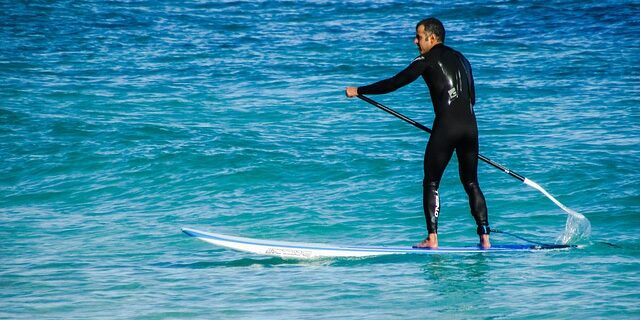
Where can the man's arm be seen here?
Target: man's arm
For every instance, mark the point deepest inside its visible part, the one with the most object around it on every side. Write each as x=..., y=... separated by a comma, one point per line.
x=404, y=77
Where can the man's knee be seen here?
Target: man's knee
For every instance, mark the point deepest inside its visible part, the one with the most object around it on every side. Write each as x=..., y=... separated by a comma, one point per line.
x=470, y=186
x=430, y=184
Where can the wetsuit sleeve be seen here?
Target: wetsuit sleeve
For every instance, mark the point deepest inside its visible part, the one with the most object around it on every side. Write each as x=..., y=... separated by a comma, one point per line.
x=403, y=78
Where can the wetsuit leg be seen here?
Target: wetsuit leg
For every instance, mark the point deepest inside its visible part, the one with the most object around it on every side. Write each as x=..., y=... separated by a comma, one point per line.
x=436, y=157
x=467, y=152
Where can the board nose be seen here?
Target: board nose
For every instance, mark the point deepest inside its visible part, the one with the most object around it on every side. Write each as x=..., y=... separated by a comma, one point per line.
x=189, y=232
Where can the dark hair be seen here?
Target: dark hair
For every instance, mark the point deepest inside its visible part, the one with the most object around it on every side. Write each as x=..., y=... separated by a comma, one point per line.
x=433, y=25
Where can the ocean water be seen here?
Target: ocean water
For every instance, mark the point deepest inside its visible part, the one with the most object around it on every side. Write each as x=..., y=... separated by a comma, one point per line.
x=122, y=122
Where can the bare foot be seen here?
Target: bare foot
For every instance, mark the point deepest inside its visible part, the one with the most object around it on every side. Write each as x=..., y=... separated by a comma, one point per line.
x=430, y=242
x=484, y=241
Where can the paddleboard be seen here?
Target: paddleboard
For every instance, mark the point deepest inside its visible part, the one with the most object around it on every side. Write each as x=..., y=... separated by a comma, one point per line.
x=302, y=250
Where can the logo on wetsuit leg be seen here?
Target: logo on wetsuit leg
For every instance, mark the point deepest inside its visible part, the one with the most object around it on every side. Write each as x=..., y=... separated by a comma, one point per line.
x=453, y=94
x=436, y=211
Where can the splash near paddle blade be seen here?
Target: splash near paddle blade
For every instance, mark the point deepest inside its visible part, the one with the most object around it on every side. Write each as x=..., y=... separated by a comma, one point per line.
x=577, y=227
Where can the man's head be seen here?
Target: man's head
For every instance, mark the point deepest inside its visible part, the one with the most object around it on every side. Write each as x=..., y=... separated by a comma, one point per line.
x=429, y=32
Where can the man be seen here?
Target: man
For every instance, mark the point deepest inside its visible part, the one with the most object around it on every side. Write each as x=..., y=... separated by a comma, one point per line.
x=448, y=75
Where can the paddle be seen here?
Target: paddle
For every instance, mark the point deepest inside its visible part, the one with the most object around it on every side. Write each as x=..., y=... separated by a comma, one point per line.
x=483, y=158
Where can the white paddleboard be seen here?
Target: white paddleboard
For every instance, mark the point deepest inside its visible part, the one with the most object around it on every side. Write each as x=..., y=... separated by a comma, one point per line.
x=302, y=250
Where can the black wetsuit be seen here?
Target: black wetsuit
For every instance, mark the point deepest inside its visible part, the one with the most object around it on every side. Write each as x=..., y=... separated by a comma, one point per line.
x=448, y=76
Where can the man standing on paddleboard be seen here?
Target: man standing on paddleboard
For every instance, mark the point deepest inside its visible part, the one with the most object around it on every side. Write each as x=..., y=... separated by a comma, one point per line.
x=448, y=75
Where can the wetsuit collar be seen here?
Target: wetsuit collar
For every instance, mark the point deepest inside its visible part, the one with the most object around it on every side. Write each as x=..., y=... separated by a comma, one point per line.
x=438, y=45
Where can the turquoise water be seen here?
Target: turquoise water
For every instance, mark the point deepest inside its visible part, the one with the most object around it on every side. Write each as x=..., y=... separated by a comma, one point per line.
x=122, y=122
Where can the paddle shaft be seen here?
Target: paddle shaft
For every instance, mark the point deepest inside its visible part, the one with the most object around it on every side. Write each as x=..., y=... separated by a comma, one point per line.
x=424, y=128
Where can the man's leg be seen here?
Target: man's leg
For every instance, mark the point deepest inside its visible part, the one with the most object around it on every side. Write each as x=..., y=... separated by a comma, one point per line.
x=436, y=158
x=468, y=168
